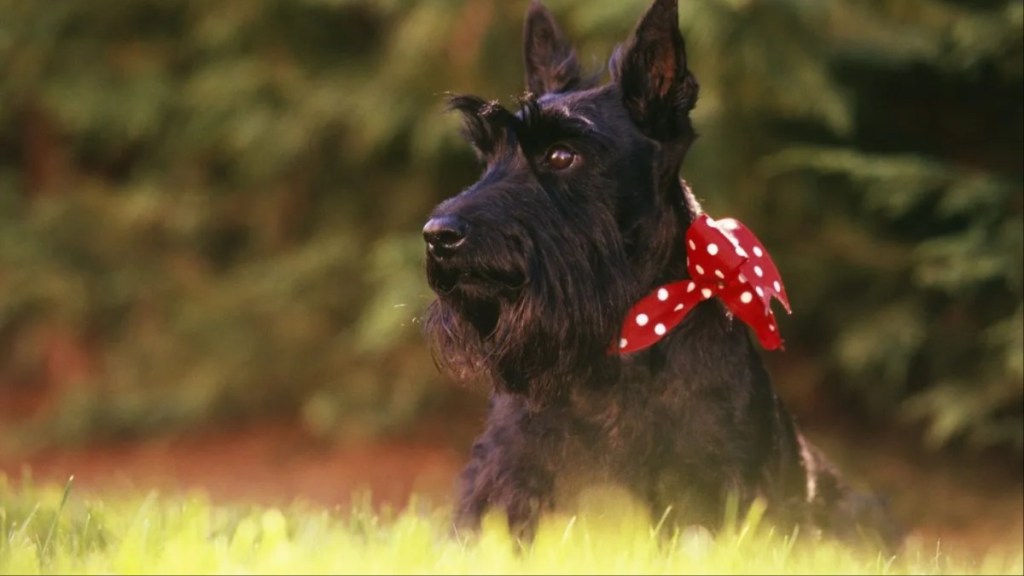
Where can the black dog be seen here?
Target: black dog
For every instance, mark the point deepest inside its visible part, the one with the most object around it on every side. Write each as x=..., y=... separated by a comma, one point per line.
x=579, y=214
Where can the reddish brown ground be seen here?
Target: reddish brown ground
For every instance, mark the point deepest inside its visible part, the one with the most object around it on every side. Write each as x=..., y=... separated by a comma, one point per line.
x=969, y=502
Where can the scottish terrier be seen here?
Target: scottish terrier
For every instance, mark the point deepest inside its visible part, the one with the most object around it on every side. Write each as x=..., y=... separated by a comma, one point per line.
x=562, y=279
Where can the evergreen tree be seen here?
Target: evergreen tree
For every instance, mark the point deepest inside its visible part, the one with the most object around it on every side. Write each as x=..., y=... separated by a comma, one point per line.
x=211, y=209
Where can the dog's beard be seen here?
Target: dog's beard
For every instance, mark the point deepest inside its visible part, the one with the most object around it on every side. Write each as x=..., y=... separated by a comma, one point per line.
x=540, y=338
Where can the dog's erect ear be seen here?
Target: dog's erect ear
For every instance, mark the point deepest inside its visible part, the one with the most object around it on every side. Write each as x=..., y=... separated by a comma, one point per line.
x=551, y=64
x=657, y=88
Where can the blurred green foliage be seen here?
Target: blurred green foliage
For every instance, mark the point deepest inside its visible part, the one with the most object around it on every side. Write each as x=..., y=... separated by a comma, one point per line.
x=211, y=210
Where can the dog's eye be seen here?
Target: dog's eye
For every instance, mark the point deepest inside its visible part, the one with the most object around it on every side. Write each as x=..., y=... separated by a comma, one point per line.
x=559, y=157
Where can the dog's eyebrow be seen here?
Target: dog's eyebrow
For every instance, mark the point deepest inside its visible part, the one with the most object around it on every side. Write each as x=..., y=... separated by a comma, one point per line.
x=586, y=121
x=576, y=122
x=485, y=123
x=490, y=127
x=536, y=123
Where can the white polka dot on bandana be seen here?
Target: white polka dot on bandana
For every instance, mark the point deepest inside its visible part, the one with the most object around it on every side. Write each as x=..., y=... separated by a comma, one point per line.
x=692, y=245
x=758, y=271
x=758, y=252
x=777, y=286
x=623, y=342
x=699, y=269
x=746, y=297
x=662, y=294
x=642, y=319
x=706, y=292
x=759, y=291
x=677, y=308
x=720, y=274
x=659, y=329
x=691, y=287
x=772, y=328
x=712, y=249
x=741, y=252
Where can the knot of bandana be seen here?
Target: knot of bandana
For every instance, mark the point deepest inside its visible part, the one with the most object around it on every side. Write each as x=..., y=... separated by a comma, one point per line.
x=726, y=260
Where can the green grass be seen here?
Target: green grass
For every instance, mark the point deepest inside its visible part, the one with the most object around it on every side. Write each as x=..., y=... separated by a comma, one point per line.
x=51, y=529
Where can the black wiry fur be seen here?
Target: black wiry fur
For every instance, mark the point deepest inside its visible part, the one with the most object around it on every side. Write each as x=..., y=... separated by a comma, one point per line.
x=534, y=280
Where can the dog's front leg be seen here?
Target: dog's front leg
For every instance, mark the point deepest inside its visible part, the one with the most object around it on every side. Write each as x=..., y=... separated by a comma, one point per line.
x=507, y=473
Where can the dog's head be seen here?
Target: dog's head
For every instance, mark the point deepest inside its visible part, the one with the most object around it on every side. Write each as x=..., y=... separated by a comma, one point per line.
x=578, y=212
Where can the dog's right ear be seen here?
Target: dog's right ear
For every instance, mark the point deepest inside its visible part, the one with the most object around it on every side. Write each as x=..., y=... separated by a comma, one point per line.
x=657, y=88
x=551, y=64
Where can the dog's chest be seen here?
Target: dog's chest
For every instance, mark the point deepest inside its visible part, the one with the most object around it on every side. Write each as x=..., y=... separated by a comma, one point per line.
x=615, y=437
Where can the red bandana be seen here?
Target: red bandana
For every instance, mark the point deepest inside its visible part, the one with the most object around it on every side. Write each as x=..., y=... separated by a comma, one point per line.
x=724, y=259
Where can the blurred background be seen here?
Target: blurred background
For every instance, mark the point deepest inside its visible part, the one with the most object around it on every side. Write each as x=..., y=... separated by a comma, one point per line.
x=210, y=220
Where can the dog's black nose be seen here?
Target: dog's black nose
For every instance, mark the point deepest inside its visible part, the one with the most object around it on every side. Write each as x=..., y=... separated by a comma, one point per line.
x=444, y=234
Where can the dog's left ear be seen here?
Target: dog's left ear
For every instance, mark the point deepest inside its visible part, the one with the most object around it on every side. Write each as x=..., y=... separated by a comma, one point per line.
x=551, y=64
x=657, y=88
